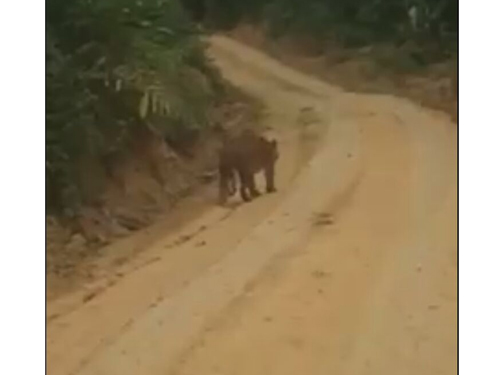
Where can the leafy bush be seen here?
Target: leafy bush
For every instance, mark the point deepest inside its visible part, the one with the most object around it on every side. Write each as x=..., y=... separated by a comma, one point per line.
x=351, y=22
x=111, y=66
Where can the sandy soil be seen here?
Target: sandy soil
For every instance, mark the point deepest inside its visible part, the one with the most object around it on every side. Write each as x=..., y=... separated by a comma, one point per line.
x=376, y=69
x=349, y=269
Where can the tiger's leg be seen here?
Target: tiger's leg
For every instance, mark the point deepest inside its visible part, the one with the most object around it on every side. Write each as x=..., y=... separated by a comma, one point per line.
x=251, y=184
x=244, y=184
x=269, y=173
x=232, y=183
x=223, y=185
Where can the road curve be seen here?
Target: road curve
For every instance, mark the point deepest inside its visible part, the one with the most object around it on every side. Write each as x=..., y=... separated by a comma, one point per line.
x=349, y=269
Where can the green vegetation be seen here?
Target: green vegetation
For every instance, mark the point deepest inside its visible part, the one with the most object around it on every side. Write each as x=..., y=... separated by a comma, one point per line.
x=350, y=23
x=112, y=67
x=116, y=66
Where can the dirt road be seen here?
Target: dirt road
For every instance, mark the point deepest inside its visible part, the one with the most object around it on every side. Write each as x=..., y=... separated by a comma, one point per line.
x=349, y=269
